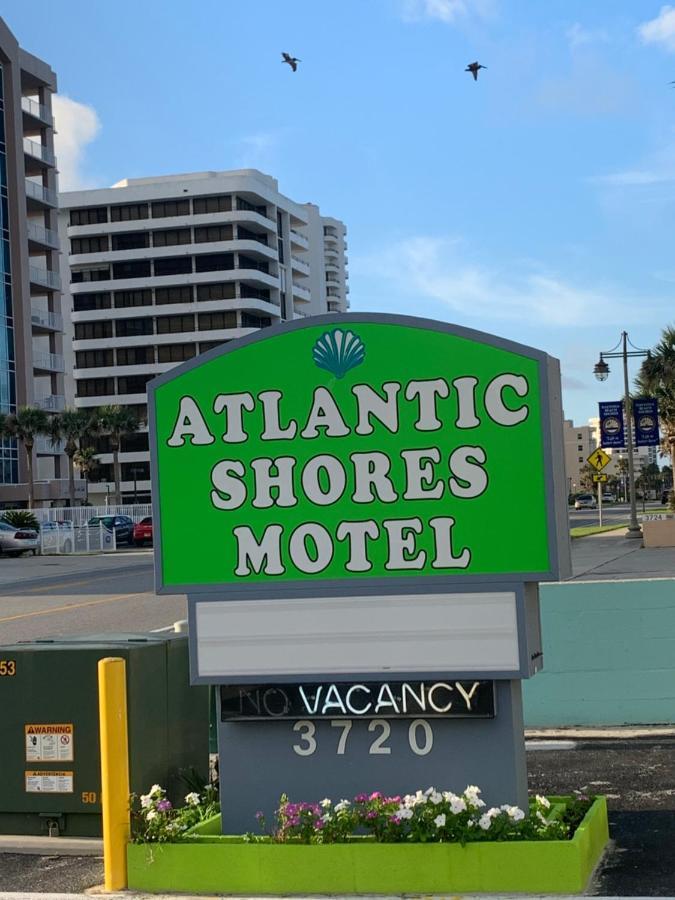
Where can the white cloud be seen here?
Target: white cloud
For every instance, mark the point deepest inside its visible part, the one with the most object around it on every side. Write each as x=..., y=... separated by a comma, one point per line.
x=447, y=11
x=77, y=125
x=578, y=36
x=432, y=268
x=657, y=167
x=660, y=30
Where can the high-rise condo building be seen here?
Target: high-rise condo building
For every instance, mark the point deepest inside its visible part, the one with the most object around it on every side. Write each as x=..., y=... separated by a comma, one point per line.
x=31, y=325
x=161, y=269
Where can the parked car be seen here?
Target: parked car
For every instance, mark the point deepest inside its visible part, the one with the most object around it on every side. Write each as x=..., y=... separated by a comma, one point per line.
x=607, y=497
x=665, y=496
x=585, y=501
x=143, y=531
x=16, y=540
x=123, y=526
x=57, y=536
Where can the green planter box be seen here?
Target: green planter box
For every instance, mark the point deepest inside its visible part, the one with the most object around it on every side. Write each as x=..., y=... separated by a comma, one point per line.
x=208, y=863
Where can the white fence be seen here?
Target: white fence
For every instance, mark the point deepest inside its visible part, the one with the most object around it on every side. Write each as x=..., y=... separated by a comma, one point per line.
x=80, y=515
x=65, y=537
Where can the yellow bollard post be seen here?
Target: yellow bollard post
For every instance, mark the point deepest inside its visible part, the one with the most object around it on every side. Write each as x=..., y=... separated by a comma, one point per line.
x=112, y=704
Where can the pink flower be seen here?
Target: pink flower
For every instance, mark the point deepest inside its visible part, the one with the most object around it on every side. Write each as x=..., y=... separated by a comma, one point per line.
x=375, y=796
x=371, y=815
x=361, y=798
x=164, y=805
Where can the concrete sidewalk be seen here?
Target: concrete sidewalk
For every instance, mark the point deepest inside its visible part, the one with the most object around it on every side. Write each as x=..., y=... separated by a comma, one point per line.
x=611, y=556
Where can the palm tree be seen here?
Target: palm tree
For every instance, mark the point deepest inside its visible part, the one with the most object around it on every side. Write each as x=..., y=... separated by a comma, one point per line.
x=86, y=460
x=656, y=378
x=24, y=425
x=116, y=421
x=622, y=468
x=71, y=425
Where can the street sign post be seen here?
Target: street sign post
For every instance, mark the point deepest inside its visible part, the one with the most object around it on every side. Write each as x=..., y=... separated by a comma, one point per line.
x=600, y=479
x=599, y=459
x=359, y=501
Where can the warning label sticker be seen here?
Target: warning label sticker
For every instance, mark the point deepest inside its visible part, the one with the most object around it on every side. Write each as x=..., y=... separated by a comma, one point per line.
x=49, y=743
x=49, y=782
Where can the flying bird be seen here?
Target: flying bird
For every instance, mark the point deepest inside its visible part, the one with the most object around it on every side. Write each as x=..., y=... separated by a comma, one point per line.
x=291, y=60
x=473, y=68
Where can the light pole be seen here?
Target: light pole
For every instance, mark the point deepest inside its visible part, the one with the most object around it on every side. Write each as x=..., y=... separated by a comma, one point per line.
x=601, y=372
x=134, y=472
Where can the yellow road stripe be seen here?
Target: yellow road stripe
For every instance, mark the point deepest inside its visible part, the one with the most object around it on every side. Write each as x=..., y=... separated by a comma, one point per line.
x=48, y=612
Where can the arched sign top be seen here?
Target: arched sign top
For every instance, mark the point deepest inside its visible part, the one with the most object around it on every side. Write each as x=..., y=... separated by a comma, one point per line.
x=358, y=450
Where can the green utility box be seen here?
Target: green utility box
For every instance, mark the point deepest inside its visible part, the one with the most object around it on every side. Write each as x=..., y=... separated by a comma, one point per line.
x=50, y=776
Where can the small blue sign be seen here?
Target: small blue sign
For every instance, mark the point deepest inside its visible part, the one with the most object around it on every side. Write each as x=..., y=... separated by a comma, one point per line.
x=611, y=425
x=646, y=419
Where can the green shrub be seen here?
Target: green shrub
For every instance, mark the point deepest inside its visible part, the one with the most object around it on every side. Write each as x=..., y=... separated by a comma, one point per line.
x=21, y=518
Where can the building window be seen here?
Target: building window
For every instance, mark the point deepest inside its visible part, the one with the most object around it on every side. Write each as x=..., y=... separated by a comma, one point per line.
x=93, y=215
x=224, y=290
x=248, y=292
x=95, y=387
x=217, y=320
x=248, y=262
x=166, y=208
x=91, y=331
x=181, y=293
x=581, y=459
x=102, y=273
x=173, y=353
x=213, y=233
x=174, y=265
x=140, y=471
x=251, y=320
x=130, y=212
x=93, y=359
x=134, y=443
x=580, y=447
x=171, y=237
x=214, y=262
x=132, y=240
x=133, y=384
x=245, y=234
x=135, y=356
x=251, y=207
x=134, y=268
x=175, y=324
x=126, y=299
x=204, y=205
x=140, y=410
x=86, y=302
x=132, y=327
x=204, y=346
x=579, y=437
x=96, y=244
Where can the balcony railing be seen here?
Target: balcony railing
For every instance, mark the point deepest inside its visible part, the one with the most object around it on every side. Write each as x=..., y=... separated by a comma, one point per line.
x=37, y=110
x=45, y=278
x=41, y=194
x=49, y=362
x=43, y=318
x=39, y=151
x=45, y=236
x=43, y=444
x=51, y=403
x=301, y=262
x=299, y=239
x=301, y=292
x=331, y=279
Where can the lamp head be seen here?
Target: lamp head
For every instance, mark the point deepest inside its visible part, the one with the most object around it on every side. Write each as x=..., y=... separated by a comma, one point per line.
x=601, y=370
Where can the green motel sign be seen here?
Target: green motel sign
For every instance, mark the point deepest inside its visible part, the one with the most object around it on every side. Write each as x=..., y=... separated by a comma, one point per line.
x=360, y=448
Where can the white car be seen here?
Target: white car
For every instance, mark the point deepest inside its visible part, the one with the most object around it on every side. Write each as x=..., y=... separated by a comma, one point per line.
x=585, y=501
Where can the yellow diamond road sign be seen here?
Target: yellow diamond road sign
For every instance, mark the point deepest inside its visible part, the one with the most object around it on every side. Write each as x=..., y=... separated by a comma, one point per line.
x=599, y=459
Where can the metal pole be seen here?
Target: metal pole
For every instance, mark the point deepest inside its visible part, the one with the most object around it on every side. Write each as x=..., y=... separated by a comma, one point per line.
x=634, y=530
x=114, y=770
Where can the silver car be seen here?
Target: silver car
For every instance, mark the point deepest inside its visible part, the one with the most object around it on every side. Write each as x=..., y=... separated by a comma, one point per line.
x=17, y=540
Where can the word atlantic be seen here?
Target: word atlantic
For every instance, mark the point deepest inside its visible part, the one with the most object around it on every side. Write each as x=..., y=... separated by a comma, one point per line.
x=457, y=470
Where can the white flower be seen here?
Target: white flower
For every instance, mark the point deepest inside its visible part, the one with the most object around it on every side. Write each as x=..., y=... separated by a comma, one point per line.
x=429, y=791
x=326, y=817
x=542, y=801
x=542, y=818
x=156, y=790
x=471, y=823
x=146, y=801
x=513, y=812
x=439, y=821
x=404, y=812
x=485, y=821
x=192, y=799
x=342, y=805
x=325, y=802
x=457, y=805
x=472, y=791
x=152, y=814
x=436, y=798
x=419, y=798
x=493, y=812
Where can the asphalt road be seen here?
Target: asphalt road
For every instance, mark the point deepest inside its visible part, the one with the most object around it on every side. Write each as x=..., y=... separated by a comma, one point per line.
x=105, y=595
x=612, y=514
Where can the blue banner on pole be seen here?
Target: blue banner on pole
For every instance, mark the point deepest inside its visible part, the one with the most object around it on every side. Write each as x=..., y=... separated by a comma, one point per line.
x=611, y=425
x=646, y=418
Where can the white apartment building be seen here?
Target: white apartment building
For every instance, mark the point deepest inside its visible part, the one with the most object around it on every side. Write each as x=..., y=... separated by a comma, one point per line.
x=157, y=270
x=580, y=442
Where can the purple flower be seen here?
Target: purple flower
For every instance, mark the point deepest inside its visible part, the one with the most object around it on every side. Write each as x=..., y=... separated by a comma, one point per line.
x=371, y=815
x=361, y=798
x=259, y=815
x=318, y=824
x=395, y=819
x=164, y=805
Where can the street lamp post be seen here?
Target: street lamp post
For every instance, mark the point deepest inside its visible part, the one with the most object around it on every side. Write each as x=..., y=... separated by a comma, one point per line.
x=601, y=372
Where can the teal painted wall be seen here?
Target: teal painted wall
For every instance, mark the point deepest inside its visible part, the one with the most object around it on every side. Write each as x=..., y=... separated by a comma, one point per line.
x=609, y=655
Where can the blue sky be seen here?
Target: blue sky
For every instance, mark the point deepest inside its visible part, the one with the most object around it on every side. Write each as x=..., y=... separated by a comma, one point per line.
x=537, y=203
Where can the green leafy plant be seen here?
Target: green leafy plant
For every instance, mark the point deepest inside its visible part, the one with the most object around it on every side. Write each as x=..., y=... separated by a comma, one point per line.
x=154, y=819
x=21, y=518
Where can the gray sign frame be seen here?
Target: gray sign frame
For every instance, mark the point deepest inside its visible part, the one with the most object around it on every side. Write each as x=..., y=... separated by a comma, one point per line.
x=560, y=566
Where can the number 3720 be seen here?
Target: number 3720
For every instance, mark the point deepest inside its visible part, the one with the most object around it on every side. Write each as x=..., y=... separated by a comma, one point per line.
x=420, y=736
